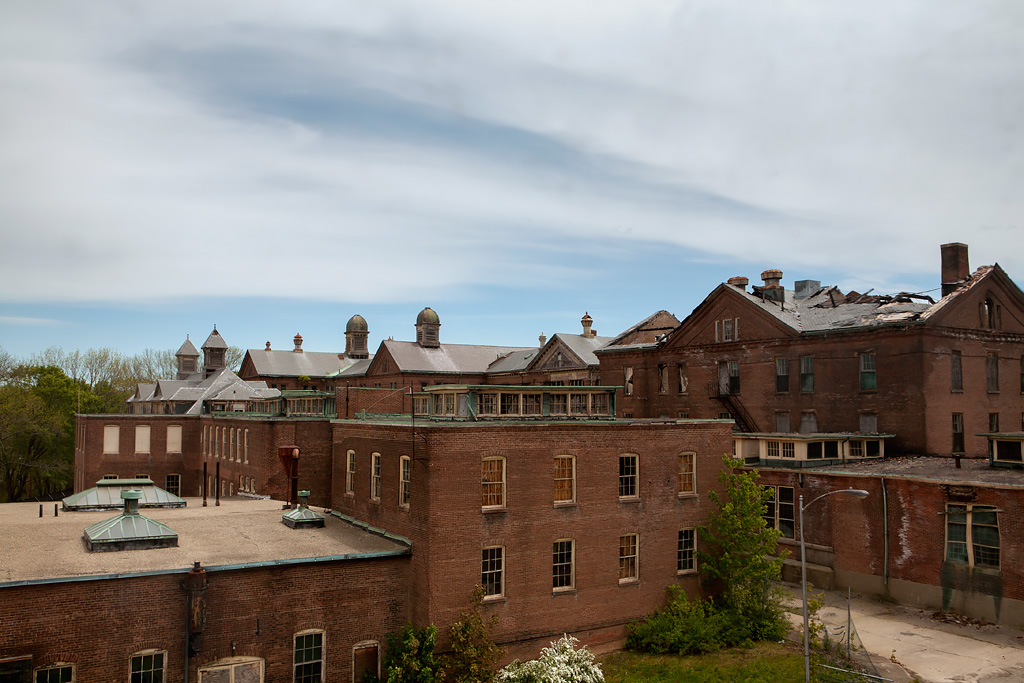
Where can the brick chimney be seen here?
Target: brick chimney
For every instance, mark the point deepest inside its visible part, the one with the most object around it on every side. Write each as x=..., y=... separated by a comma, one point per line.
x=773, y=289
x=298, y=343
x=543, y=339
x=955, y=268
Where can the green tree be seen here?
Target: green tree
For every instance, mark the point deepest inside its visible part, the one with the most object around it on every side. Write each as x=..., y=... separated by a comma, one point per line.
x=473, y=652
x=737, y=556
x=410, y=655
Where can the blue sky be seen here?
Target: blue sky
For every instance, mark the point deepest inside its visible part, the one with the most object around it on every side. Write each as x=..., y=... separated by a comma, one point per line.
x=276, y=168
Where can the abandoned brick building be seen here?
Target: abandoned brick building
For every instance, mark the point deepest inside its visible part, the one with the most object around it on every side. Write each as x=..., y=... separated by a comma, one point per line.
x=933, y=374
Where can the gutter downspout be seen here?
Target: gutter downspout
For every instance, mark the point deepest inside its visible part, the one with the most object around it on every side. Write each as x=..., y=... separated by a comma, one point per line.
x=885, y=534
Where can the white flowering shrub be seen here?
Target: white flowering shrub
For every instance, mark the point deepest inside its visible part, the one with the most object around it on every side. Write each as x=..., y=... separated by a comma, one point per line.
x=560, y=663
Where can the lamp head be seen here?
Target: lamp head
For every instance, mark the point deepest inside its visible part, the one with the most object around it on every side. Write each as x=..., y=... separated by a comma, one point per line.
x=860, y=493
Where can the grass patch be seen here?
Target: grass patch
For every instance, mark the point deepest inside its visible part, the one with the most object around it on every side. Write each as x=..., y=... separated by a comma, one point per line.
x=762, y=663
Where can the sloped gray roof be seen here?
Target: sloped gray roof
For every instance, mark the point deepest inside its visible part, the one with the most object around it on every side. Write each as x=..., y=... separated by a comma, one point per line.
x=583, y=347
x=215, y=341
x=221, y=385
x=292, y=364
x=513, y=361
x=357, y=369
x=187, y=349
x=411, y=357
x=827, y=309
x=143, y=392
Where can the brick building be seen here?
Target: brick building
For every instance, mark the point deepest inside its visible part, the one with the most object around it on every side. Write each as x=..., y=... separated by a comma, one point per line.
x=571, y=520
x=933, y=533
x=933, y=374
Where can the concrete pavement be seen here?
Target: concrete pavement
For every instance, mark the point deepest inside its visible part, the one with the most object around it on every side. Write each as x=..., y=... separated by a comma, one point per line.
x=905, y=642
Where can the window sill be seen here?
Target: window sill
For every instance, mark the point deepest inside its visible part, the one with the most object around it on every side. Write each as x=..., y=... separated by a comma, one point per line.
x=350, y=494
x=629, y=499
x=404, y=508
x=686, y=572
x=565, y=504
x=493, y=510
x=493, y=599
x=629, y=582
x=375, y=501
x=568, y=590
x=686, y=495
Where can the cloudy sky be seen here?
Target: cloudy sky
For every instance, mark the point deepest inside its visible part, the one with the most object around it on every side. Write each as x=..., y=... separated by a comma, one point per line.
x=275, y=167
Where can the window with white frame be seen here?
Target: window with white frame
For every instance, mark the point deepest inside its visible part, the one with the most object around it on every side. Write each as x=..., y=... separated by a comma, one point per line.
x=628, y=476
x=493, y=483
x=148, y=666
x=565, y=479
x=365, y=660
x=231, y=445
x=375, y=476
x=532, y=404
x=350, y=472
x=59, y=672
x=248, y=670
x=142, y=438
x=309, y=657
x=686, y=551
x=174, y=439
x=687, y=474
x=628, y=552
x=779, y=511
x=405, y=480
x=245, y=446
x=972, y=535
x=563, y=573
x=111, y=439
x=492, y=573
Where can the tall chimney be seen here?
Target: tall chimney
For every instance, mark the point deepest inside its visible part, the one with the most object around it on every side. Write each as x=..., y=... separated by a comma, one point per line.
x=955, y=268
x=587, y=321
x=543, y=339
x=739, y=282
x=298, y=343
x=773, y=288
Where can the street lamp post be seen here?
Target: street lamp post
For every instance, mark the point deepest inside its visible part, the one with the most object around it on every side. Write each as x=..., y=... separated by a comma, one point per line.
x=860, y=493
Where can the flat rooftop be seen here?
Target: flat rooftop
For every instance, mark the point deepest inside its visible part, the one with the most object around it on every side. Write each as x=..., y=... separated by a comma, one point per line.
x=241, y=531
x=932, y=468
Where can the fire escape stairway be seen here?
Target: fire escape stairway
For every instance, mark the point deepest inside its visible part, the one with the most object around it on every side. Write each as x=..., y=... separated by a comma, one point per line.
x=744, y=421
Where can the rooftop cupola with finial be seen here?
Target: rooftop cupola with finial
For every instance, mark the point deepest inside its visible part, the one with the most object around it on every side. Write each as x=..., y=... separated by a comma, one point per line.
x=188, y=359
x=428, y=329
x=356, y=332
x=214, y=353
x=297, y=339
x=587, y=322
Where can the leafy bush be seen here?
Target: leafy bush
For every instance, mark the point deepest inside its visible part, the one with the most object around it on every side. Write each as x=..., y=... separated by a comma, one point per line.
x=683, y=626
x=562, y=662
x=473, y=651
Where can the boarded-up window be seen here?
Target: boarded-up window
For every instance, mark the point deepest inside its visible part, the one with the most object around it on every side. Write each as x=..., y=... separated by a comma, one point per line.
x=992, y=372
x=111, y=439
x=958, y=432
x=808, y=423
x=364, y=660
x=956, y=372
x=782, y=421
x=174, y=439
x=869, y=423
x=142, y=439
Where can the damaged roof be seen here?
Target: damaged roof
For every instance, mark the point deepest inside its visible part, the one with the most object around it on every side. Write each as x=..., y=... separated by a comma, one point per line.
x=293, y=364
x=411, y=357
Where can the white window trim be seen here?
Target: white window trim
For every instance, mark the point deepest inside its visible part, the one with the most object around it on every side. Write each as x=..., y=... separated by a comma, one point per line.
x=636, y=476
x=350, y=473
x=635, y=577
x=145, y=653
x=323, y=650
x=116, y=431
x=692, y=491
x=404, y=484
x=171, y=429
x=365, y=645
x=504, y=484
x=693, y=549
x=500, y=595
x=572, y=566
x=572, y=498
x=376, y=467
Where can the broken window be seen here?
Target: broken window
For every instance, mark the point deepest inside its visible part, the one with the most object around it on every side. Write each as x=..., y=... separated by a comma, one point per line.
x=779, y=510
x=684, y=381
x=807, y=373
x=993, y=422
x=782, y=375
x=868, y=379
x=958, y=432
x=628, y=380
x=956, y=372
x=662, y=378
x=972, y=535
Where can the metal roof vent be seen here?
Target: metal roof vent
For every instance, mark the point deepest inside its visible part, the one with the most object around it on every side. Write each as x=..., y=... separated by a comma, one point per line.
x=302, y=517
x=106, y=496
x=129, y=530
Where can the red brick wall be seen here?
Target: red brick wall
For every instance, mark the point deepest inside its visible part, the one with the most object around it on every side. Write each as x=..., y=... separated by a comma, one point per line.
x=98, y=625
x=448, y=529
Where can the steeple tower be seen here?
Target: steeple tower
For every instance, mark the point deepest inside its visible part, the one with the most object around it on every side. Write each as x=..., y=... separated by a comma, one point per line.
x=214, y=349
x=188, y=359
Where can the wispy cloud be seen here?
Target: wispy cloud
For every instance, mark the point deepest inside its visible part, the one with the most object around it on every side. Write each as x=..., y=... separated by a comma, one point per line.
x=30, y=322
x=348, y=152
